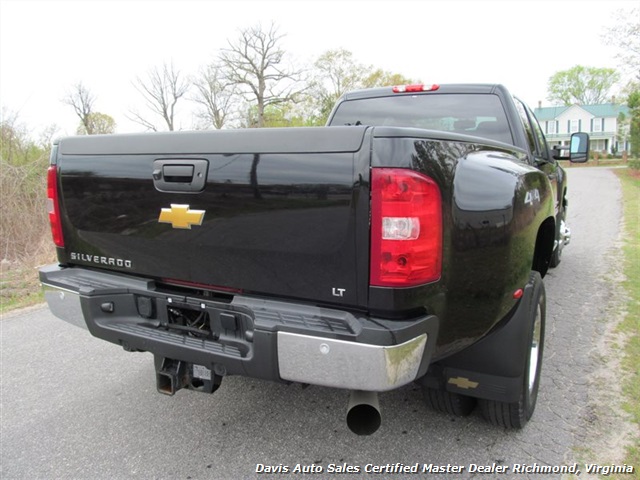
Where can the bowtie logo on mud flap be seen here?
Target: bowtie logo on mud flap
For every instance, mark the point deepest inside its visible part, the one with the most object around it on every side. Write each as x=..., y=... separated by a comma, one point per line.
x=180, y=216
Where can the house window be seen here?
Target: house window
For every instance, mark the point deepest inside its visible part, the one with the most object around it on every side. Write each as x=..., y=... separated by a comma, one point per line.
x=574, y=126
x=598, y=145
x=551, y=127
x=597, y=125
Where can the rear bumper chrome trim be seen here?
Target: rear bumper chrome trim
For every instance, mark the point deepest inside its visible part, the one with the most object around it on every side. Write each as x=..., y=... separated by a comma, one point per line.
x=65, y=304
x=350, y=365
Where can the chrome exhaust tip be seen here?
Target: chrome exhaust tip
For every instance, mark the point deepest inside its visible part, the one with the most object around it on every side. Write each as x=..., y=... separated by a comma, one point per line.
x=363, y=413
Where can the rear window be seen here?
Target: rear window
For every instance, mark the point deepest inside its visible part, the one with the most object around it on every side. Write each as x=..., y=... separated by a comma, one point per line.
x=471, y=114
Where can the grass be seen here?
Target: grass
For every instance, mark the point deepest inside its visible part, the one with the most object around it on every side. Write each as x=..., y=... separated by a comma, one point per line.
x=19, y=287
x=602, y=162
x=630, y=326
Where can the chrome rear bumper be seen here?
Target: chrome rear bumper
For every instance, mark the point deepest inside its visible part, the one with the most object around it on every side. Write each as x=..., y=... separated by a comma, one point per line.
x=266, y=339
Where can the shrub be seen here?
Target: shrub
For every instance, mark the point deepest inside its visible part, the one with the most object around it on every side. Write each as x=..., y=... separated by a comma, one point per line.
x=24, y=230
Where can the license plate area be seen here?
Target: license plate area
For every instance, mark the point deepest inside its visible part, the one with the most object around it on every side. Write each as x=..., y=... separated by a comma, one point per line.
x=208, y=322
x=199, y=320
x=195, y=323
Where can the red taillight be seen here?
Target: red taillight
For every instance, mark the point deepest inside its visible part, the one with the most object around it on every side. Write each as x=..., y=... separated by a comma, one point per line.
x=54, y=206
x=406, y=228
x=415, y=88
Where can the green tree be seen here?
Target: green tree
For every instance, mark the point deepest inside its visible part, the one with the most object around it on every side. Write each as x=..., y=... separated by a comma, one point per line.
x=97, y=123
x=383, y=78
x=336, y=72
x=633, y=103
x=16, y=146
x=284, y=115
x=581, y=85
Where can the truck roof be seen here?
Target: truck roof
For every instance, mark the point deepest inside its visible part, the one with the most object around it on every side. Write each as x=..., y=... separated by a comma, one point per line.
x=461, y=88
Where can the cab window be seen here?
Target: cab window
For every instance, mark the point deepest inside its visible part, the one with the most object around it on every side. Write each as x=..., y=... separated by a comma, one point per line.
x=535, y=137
x=526, y=125
x=480, y=115
x=542, y=149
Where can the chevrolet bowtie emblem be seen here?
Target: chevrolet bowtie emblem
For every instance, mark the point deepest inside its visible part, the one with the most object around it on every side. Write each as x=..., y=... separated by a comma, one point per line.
x=180, y=216
x=462, y=382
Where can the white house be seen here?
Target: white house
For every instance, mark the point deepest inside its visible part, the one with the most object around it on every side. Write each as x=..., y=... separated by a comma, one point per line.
x=601, y=122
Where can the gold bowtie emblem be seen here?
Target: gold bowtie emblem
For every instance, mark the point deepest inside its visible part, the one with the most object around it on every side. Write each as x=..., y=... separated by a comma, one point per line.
x=180, y=216
x=462, y=382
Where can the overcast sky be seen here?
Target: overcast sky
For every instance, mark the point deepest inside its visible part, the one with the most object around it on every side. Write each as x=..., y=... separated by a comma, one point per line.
x=47, y=46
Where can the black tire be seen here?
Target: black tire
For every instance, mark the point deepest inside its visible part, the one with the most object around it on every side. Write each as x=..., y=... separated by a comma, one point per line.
x=447, y=402
x=515, y=415
x=556, y=257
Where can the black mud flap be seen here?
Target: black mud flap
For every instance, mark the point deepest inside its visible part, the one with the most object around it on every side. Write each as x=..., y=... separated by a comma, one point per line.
x=493, y=367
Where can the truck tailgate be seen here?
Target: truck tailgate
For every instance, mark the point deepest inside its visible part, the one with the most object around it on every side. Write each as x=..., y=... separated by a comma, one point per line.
x=269, y=211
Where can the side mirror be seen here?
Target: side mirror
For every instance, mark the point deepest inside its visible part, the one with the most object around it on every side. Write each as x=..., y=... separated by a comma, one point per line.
x=579, y=150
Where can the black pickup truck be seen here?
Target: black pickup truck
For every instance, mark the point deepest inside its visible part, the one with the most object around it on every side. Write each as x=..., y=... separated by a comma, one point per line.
x=404, y=242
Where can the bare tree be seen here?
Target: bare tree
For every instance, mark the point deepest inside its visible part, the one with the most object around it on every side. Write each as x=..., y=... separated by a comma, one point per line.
x=82, y=100
x=255, y=61
x=216, y=95
x=625, y=35
x=336, y=73
x=48, y=135
x=161, y=90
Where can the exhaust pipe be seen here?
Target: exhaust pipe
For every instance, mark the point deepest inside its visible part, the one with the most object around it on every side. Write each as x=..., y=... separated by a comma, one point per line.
x=363, y=412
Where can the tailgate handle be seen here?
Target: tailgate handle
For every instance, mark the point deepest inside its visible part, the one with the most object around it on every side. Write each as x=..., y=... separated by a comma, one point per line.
x=180, y=175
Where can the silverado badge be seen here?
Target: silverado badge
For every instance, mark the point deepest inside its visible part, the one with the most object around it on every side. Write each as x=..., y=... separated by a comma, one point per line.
x=180, y=216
